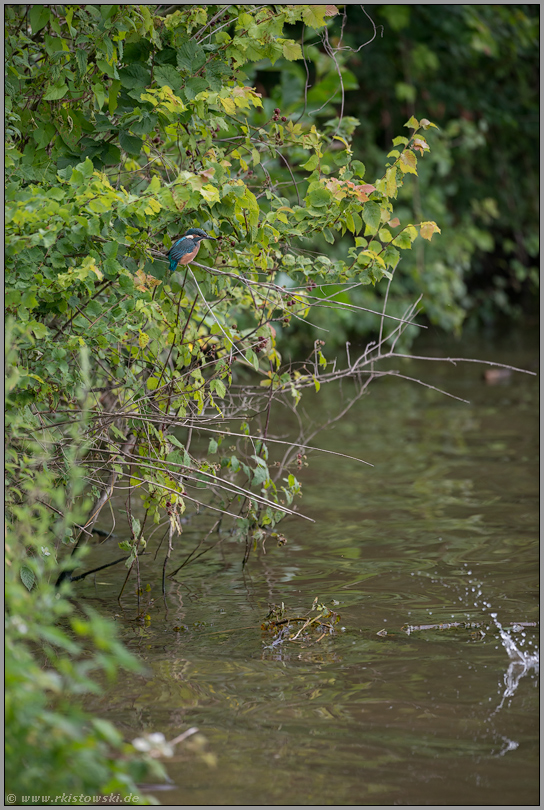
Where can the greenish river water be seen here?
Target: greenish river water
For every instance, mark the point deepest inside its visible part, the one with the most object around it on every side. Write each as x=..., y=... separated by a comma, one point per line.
x=443, y=529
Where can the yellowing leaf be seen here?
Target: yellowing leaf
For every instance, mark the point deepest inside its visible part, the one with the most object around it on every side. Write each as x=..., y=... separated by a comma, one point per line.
x=153, y=207
x=229, y=105
x=210, y=193
x=391, y=182
x=413, y=123
x=143, y=340
x=408, y=162
x=420, y=145
x=314, y=16
x=330, y=11
x=385, y=235
x=292, y=50
x=427, y=229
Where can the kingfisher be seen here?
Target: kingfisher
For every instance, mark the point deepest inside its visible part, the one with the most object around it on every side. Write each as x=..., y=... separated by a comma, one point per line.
x=185, y=249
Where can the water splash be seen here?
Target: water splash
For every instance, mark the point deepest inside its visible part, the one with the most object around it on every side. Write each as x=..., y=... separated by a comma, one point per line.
x=521, y=664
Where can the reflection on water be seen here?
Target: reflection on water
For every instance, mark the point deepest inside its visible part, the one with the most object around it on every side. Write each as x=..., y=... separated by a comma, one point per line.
x=440, y=536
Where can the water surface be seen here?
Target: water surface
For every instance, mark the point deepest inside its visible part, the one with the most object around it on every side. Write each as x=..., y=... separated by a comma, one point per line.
x=387, y=710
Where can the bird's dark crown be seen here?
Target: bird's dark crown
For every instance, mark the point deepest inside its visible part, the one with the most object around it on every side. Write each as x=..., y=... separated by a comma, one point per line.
x=198, y=232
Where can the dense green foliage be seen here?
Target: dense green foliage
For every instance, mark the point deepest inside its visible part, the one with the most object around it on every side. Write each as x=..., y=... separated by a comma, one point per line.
x=472, y=69
x=127, y=126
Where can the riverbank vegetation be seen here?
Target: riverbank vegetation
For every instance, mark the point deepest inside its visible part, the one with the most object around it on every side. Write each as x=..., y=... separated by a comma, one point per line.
x=127, y=125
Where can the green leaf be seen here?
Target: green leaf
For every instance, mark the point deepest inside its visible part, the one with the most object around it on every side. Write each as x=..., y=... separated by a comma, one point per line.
x=260, y=476
x=190, y=56
x=130, y=143
x=372, y=215
x=292, y=50
x=81, y=58
x=109, y=70
x=134, y=76
x=93, y=309
x=152, y=383
x=136, y=526
x=413, y=123
x=39, y=16
x=28, y=578
x=314, y=16
x=391, y=256
x=56, y=92
x=320, y=197
x=212, y=447
x=252, y=358
x=169, y=76
x=86, y=168
x=218, y=387
x=358, y=167
x=310, y=164
x=403, y=241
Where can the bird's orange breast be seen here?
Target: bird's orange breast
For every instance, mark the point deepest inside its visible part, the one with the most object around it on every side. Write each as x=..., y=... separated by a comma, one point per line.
x=188, y=257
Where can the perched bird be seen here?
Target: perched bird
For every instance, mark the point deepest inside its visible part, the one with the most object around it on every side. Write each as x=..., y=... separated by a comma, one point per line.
x=184, y=250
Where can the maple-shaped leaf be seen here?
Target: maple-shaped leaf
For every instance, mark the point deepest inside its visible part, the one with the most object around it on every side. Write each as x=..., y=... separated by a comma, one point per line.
x=427, y=229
